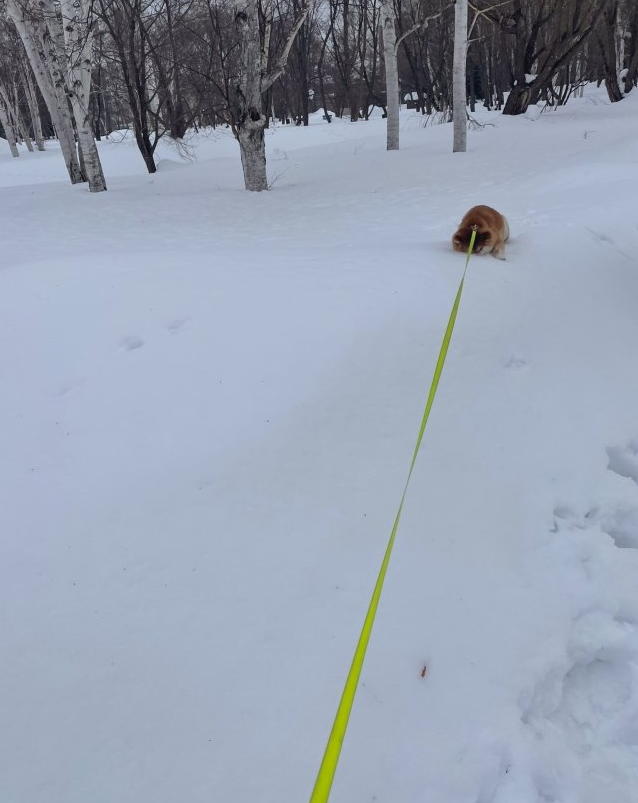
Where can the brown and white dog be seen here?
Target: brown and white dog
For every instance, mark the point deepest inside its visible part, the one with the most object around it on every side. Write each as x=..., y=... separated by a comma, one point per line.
x=492, y=230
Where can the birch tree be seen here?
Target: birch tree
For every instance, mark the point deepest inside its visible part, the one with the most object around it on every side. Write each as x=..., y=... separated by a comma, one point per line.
x=459, y=77
x=77, y=41
x=163, y=66
x=14, y=85
x=60, y=56
x=253, y=82
x=32, y=102
x=391, y=44
x=10, y=101
x=390, y=62
x=631, y=51
x=31, y=28
x=606, y=38
x=7, y=125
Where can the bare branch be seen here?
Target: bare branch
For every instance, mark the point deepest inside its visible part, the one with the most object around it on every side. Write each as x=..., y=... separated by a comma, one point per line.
x=483, y=12
x=269, y=80
x=422, y=24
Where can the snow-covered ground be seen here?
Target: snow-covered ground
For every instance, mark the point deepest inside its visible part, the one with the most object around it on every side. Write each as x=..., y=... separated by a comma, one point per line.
x=209, y=402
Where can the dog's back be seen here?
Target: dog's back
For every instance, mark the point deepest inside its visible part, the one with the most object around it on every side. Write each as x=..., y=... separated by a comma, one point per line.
x=492, y=230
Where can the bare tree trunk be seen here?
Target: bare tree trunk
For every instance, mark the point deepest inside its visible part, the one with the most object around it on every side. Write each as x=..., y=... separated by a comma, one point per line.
x=51, y=35
x=391, y=74
x=16, y=129
x=459, y=93
x=78, y=46
x=251, y=120
x=9, y=131
x=30, y=30
x=11, y=100
x=534, y=51
x=34, y=111
x=23, y=130
x=632, y=68
x=322, y=87
x=606, y=37
x=252, y=84
x=620, y=31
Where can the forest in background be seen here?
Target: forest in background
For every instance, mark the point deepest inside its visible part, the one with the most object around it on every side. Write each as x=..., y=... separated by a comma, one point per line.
x=80, y=69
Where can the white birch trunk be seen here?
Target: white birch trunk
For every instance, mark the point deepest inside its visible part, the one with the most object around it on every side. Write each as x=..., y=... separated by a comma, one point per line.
x=9, y=131
x=11, y=106
x=459, y=94
x=30, y=29
x=12, y=103
x=620, y=33
x=24, y=130
x=252, y=83
x=32, y=102
x=78, y=45
x=152, y=88
x=251, y=120
x=391, y=74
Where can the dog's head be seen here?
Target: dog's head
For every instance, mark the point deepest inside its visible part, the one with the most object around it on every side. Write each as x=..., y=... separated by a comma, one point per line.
x=461, y=240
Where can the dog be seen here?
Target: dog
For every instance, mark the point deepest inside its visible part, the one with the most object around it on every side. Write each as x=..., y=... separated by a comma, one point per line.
x=492, y=230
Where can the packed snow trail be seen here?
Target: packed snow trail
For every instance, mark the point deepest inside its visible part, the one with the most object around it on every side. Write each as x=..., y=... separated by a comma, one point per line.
x=209, y=398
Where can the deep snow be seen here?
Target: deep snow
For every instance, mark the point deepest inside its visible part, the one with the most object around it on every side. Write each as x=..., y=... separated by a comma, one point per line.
x=209, y=403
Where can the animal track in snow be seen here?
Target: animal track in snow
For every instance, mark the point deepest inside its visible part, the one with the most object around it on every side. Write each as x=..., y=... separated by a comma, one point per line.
x=623, y=460
x=177, y=325
x=573, y=736
x=593, y=696
x=601, y=237
x=516, y=363
x=69, y=385
x=565, y=513
x=589, y=693
x=566, y=517
x=618, y=521
x=131, y=342
x=584, y=710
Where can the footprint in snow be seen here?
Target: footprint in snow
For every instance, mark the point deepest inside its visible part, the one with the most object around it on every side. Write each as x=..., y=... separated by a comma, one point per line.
x=577, y=724
x=587, y=702
x=601, y=237
x=516, y=363
x=620, y=522
x=623, y=460
x=566, y=518
x=69, y=385
x=177, y=325
x=131, y=342
x=617, y=520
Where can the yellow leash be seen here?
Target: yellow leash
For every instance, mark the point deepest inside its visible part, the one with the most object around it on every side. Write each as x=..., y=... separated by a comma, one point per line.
x=325, y=777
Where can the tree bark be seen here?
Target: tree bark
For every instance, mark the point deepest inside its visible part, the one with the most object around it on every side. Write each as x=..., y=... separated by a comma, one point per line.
x=566, y=40
x=30, y=30
x=606, y=37
x=78, y=45
x=391, y=74
x=34, y=111
x=632, y=69
x=252, y=84
x=250, y=118
x=459, y=92
x=9, y=131
x=22, y=128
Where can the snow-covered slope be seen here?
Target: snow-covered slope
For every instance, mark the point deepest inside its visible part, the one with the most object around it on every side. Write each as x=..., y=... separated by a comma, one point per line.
x=209, y=402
